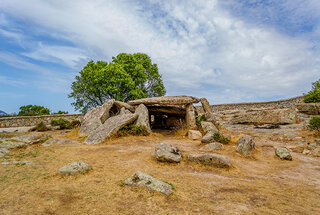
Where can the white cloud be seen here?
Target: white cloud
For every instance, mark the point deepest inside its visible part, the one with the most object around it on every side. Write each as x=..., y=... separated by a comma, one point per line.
x=199, y=46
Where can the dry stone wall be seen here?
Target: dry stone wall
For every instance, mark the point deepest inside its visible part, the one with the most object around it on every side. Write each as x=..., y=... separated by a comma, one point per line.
x=23, y=121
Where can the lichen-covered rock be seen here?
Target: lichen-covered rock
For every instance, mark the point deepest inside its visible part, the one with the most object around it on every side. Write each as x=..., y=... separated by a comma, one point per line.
x=165, y=100
x=110, y=127
x=12, y=144
x=75, y=168
x=143, y=117
x=215, y=160
x=212, y=146
x=208, y=127
x=32, y=138
x=283, y=153
x=191, y=117
x=309, y=108
x=194, y=135
x=3, y=152
x=94, y=118
x=245, y=144
x=139, y=179
x=165, y=152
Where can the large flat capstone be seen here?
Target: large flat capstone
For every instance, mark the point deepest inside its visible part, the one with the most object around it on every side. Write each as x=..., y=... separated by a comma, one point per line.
x=166, y=100
x=110, y=127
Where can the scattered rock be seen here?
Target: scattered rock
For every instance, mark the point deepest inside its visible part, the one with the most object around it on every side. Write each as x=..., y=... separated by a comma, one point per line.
x=75, y=168
x=143, y=117
x=194, y=134
x=110, y=127
x=245, y=144
x=3, y=152
x=191, y=117
x=267, y=126
x=215, y=160
x=212, y=146
x=165, y=152
x=139, y=179
x=94, y=118
x=166, y=100
x=208, y=127
x=283, y=153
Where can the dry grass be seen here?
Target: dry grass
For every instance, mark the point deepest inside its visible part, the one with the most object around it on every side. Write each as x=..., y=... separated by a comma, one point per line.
x=259, y=185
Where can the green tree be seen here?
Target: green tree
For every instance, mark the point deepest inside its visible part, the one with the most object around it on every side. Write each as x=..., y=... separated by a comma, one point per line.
x=127, y=77
x=33, y=110
x=314, y=94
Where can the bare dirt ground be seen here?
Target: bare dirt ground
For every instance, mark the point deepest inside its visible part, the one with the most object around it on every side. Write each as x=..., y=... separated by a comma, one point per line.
x=262, y=184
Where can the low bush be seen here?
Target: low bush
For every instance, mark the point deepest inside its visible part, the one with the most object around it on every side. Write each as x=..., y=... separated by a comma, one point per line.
x=217, y=136
x=199, y=119
x=62, y=123
x=75, y=123
x=132, y=130
x=314, y=124
x=314, y=94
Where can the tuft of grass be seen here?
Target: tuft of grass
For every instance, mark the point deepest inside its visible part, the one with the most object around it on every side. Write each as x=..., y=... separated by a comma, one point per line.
x=217, y=136
x=62, y=123
x=199, y=119
x=132, y=130
x=314, y=124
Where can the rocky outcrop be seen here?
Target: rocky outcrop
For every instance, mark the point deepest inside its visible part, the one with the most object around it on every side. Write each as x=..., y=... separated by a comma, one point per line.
x=194, y=135
x=110, y=127
x=94, y=118
x=309, y=108
x=12, y=144
x=283, y=153
x=191, y=117
x=3, y=151
x=59, y=141
x=166, y=100
x=212, y=147
x=75, y=168
x=143, y=117
x=245, y=144
x=214, y=160
x=139, y=179
x=277, y=116
x=165, y=152
x=33, y=138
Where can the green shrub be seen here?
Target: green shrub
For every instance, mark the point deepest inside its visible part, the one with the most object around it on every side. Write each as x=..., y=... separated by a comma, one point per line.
x=314, y=124
x=314, y=94
x=62, y=123
x=217, y=136
x=199, y=119
x=75, y=123
x=132, y=130
x=61, y=112
x=41, y=127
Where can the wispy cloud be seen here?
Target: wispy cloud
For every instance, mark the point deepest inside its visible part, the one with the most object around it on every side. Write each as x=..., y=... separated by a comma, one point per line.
x=201, y=47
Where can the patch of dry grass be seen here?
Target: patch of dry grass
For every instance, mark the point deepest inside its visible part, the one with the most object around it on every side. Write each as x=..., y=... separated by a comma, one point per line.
x=259, y=185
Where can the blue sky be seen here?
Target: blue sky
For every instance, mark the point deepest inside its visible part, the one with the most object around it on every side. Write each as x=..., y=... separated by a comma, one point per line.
x=224, y=50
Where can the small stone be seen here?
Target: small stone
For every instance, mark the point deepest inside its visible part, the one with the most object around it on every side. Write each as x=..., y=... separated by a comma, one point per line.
x=165, y=152
x=283, y=153
x=194, y=134
x=215, y=160
x=75, y=168
x=245, y=144
x=139, y=179
x=212, y=146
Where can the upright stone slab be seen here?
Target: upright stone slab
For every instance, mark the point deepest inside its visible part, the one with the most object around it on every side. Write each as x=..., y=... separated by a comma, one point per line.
x=111, y=126
x=191, y=117
x=94, y=118
x=245, y=144
x=207, y=110
x=143, y=117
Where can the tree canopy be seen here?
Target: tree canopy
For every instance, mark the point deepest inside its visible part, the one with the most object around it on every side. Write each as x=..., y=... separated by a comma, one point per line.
x=314, y=94
x=33, y=110
x=127, y=77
